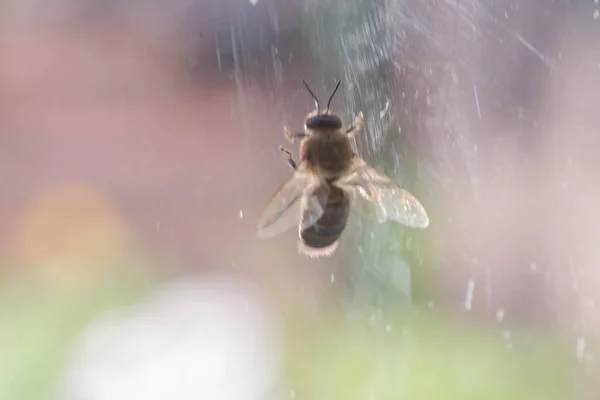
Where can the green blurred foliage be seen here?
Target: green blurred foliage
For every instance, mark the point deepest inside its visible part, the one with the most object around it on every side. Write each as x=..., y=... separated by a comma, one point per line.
x=429, y=358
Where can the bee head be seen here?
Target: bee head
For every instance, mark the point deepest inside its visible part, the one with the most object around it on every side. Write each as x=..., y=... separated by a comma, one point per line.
x=323, y=121
x=320, y=120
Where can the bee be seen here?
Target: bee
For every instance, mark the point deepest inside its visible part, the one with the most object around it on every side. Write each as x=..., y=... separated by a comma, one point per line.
x=328, y=182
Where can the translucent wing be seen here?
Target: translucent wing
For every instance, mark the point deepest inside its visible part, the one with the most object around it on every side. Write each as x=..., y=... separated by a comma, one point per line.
x=294, y=203
x=378, y=197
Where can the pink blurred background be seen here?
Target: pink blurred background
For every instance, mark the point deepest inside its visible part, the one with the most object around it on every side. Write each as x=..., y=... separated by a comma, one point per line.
x=99, y=124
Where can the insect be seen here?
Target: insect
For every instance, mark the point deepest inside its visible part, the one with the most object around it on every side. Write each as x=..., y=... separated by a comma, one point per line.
x=328, y=182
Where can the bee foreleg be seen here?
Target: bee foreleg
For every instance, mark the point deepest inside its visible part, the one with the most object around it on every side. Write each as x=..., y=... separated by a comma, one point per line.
x=286, y=153
x=291, y=136
x=355, y=126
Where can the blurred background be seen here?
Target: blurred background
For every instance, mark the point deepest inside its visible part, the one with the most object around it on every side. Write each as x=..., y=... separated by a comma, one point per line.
x=138, y=147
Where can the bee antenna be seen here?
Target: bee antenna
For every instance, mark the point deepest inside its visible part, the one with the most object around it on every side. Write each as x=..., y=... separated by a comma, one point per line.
x=333, y=94
x=311, y=93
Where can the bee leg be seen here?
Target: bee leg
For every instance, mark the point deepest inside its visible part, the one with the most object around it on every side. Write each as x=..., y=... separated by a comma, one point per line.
x=291, y=136
x=352, y=129
x=286, y=153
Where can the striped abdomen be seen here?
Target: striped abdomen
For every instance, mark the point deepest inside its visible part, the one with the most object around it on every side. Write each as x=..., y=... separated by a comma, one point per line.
x=321, y=238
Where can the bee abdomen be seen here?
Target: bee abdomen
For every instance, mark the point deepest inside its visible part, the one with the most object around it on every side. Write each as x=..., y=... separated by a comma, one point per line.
x=329, y=227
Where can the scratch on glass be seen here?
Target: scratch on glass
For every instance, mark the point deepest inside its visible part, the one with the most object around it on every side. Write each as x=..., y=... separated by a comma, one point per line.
x=477, y=101
x=544, y=58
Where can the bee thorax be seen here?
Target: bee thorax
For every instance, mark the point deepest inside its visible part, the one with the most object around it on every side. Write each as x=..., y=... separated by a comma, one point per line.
x=329, y=155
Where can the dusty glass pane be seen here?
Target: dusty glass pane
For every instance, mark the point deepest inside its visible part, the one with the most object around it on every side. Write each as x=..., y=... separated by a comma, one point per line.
x=139, y=147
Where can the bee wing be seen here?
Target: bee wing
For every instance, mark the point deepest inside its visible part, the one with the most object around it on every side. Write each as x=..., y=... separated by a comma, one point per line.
x=377, y=196
x=295, y=202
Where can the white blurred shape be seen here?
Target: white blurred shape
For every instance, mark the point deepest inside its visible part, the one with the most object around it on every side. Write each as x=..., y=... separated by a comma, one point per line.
x=469, y=295
x=500, y=314
x=201, y=338
x=580, y=347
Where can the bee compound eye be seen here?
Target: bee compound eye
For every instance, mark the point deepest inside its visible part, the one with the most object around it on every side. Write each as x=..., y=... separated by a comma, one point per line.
x=324, y=122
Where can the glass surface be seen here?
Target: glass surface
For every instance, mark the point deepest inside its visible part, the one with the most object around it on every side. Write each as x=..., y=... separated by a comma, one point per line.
x=139, y=147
